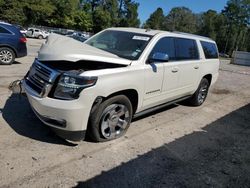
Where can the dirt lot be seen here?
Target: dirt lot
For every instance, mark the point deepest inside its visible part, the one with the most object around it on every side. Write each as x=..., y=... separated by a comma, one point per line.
x=178, y=146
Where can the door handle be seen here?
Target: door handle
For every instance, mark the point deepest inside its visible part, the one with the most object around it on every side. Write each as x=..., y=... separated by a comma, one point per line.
x=196, y=67
x=175, y=70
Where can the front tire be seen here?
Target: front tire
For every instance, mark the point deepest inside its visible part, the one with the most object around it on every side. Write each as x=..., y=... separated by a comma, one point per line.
x=200, y=95
x=7, y=56
x=111, y=119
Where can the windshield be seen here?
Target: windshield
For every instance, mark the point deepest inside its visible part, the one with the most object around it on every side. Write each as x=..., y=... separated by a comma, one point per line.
x=123, y=44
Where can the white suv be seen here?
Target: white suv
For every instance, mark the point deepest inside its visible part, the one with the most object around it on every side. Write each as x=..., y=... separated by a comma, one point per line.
x=37, y=33
x=98, y=86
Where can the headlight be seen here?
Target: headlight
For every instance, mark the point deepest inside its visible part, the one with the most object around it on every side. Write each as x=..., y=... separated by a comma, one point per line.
x=70, y=86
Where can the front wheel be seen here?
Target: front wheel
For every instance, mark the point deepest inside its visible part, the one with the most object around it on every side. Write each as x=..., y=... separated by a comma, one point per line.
x=200, y=95
x=111, y=119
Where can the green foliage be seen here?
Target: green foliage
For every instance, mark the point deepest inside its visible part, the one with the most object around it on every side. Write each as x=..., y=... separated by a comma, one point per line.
x=101, y=19
x=12, y=11
x=237, y=14
x=130, y=18
x=155, y=20
x=112, y=7
x=82, y=21
x=208, y=25
x=181, y=19
x=230, y=28
x=1, y=2
x=37, y=11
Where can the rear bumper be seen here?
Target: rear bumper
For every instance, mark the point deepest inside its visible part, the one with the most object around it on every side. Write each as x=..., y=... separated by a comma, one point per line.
x=22, y=54
x=21, y=51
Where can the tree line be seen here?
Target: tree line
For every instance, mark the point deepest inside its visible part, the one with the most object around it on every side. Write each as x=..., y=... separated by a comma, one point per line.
x=86, y=15
x=229, y=28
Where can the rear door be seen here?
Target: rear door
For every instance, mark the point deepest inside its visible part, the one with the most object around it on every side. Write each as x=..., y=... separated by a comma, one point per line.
x=7, y=37
x=37, y=32
x=188, y=63
x=30, y=32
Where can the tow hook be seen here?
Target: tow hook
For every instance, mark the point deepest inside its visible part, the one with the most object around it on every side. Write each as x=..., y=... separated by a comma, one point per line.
x=16, y=87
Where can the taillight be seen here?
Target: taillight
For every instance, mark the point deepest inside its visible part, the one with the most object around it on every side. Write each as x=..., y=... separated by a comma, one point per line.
x=23, y=40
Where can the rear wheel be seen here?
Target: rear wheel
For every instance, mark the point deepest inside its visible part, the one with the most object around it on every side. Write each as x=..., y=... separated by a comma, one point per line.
x=7, y=56
x=40, y=37
x=200, y=95
x=111, y=119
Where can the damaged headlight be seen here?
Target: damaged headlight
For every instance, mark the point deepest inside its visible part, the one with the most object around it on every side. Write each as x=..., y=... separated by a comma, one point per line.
x=70, y=86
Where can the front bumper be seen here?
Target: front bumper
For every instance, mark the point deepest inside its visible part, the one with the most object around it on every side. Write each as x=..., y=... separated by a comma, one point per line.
x=69, y=119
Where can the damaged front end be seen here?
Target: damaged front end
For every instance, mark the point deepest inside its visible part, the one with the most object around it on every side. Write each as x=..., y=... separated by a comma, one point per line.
x=61, y=84
x=57, y=72
x=62, y=79
x=63, y=69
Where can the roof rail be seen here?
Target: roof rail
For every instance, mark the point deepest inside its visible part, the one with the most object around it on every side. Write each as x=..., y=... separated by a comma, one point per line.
x=3, y=22
x=189, y=34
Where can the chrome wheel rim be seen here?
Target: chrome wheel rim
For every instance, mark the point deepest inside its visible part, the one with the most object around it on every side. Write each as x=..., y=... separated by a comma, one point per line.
x=202, y=93
x=5, y=56
x=114, y=121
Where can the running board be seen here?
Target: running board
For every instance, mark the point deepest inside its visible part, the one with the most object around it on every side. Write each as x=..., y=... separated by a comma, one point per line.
x=142, y=113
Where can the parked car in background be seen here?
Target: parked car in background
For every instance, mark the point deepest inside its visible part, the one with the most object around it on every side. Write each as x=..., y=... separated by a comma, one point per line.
x=37, y=33
x=12, y=43
x=22, y=29
x=224, y=55
x=98, y=86
x=77, y=36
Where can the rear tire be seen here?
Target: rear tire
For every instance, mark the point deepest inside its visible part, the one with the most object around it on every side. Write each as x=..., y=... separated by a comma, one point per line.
x=111, y=119
x=7, y=56
x=199, y=97
x=40, y=37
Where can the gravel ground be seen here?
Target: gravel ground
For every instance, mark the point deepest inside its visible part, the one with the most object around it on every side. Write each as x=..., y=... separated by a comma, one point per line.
x=179, y=146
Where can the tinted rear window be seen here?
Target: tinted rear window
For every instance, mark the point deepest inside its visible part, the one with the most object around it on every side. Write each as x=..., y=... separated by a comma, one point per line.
x=210, y=50
x=4, y=31
x=186, y=49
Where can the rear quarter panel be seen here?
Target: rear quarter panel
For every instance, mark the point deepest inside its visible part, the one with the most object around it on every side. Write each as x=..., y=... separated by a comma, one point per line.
x=208, y=66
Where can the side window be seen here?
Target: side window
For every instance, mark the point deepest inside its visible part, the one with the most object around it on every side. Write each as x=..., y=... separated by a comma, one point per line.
x=4, y=31
x=186, y=49
x=165, y=45
x=210, y=50
x=36, y=30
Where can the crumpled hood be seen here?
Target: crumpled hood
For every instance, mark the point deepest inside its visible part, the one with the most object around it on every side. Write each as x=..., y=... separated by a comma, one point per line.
x=61, y=48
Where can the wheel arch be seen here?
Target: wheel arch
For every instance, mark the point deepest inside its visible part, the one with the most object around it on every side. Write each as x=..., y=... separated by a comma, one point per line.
x=40, y=35
x=12, y=48
x=208, y=77
x=131, y=94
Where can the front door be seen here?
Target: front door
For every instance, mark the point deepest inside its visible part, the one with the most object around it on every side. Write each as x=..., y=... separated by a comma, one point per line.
x=158, y=81
x=154, y=73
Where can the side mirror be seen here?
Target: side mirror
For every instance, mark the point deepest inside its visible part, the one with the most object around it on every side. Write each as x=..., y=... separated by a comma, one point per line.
x=159, y=57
